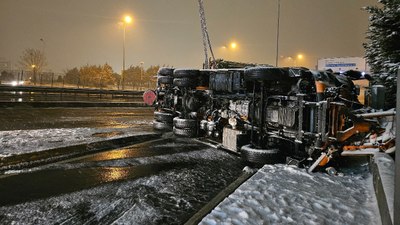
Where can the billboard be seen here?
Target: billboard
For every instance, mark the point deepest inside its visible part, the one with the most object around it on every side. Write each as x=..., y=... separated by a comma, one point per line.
x=343, y=64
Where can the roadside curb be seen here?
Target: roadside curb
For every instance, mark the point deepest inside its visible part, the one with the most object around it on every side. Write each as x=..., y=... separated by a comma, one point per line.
x=197, y=217
x=383, y=169
x=73, y=104
x=33, y=159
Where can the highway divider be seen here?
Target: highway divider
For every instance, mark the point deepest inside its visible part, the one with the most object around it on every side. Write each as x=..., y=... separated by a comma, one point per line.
x=33, y=159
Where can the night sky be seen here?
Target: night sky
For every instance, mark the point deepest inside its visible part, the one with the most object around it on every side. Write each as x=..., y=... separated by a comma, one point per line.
x=167, y=32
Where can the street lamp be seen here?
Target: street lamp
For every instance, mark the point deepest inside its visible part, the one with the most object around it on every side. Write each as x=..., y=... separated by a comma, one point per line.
x=229, y=50
x=125, y=21
x=291, y=60
x=230, y=46
x=299, y=57
x=141, y=71
x=34, y=73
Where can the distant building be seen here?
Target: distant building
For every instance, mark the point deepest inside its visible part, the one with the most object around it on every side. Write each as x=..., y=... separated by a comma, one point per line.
x=342, y=64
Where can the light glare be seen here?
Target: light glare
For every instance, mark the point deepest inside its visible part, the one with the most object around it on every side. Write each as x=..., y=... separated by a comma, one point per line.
x=128, y=19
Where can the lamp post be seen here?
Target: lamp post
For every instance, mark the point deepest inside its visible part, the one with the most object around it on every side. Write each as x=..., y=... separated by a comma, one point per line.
x=141, y=71
x=34, y=73
x=126, y=20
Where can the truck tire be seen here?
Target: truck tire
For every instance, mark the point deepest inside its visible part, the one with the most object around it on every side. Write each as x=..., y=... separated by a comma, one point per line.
x=163, y=117
x=189, y=73
x=185, y=132
x=264, y=74
x=185, y=82
x=162, y=125
x=165, y=71
x=165, y=80
x=184, y=123
x=260, y=156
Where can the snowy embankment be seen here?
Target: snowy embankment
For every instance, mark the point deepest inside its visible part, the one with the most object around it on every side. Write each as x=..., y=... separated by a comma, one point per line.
x=280, y=194
x=18, y=142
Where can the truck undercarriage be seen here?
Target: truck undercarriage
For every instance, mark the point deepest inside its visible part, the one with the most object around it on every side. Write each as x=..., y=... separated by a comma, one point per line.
x=266, y=114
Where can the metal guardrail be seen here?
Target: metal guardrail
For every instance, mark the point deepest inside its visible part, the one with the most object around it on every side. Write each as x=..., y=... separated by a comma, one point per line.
x=67, y=90
x=40, y=96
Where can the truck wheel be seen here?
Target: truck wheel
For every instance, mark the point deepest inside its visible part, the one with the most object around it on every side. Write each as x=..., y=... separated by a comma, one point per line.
x=162, y=125
x=189, y=73
x=264, y=74
x=163, y=116
x=185, y=82
x=165, y=71
x=185, y=132
x=184, y=123
x=165, y=80
x=260, y=156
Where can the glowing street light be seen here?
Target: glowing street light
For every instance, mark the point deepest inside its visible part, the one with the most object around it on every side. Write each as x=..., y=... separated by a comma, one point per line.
x=127, y=20
x=232, y=46
x=292, y=60
x=299, y=56
x=230, y=49
x=34, y=73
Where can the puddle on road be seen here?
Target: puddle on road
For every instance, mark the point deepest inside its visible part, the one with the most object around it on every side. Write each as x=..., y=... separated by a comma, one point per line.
x=148, y=149
x=56, y=181
x=47, y=183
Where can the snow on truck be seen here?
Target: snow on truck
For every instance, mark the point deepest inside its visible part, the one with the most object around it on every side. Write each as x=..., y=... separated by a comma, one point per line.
x=267, y=114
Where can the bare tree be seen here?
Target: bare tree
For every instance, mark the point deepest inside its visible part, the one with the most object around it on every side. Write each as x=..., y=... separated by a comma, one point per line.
x=33, y=59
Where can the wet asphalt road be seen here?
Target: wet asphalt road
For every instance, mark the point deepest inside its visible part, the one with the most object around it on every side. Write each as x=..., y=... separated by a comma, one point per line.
x=28, y=118
x=158, y=182
x=164, y=181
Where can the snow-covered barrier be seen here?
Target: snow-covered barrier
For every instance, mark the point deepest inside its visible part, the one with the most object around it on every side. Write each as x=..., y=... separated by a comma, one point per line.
x=383, y=169
x=32, y=159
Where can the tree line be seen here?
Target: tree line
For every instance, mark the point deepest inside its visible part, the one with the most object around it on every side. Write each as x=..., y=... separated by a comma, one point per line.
x=103, y=76
x=98, y=76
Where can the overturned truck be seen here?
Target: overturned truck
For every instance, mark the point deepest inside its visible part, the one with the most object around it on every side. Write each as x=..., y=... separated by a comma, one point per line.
x=266, y=114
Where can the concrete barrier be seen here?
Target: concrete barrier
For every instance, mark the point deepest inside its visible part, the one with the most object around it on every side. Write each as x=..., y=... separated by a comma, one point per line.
x=383, y=171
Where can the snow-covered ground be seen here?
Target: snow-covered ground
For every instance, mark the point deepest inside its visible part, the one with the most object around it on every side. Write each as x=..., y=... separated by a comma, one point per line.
x=280, y=194
x=176, y=186
x=276, y=194
x=37, y=129
x=25, y=141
